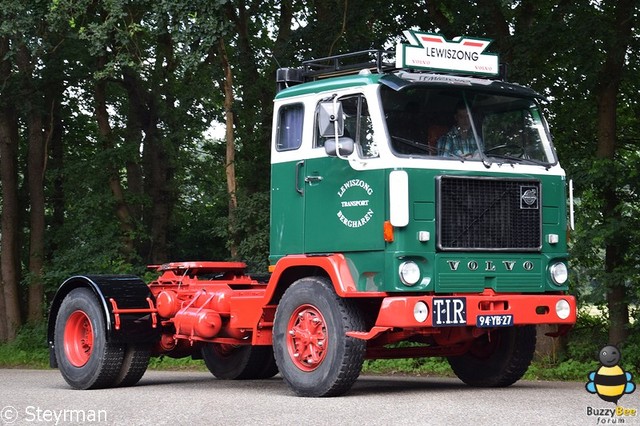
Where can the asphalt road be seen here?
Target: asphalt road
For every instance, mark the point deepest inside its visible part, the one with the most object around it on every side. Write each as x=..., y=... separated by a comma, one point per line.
x=34, y=397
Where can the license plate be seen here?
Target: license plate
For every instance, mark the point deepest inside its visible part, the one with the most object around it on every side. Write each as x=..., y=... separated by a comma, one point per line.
x=494, y=320
x=449, y=311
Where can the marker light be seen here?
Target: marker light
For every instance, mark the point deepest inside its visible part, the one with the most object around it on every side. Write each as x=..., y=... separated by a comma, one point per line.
x=559, y=273
x=420, y=311
x=387, y=231
x=409, y=273
x=563, y=310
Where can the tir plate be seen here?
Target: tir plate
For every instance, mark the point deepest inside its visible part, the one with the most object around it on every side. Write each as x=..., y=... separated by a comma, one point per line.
x=449, y=311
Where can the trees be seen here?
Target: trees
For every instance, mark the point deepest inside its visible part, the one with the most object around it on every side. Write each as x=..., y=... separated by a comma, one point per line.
x=23, y=40
x=597, y=76
x=608, y=83
x=9, y=255
x=579, y=55
x=103, y=106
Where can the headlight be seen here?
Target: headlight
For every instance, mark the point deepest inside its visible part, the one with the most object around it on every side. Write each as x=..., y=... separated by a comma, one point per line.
x=420, y=311
x=559, y=273
x=409, y=273
x=563, y=309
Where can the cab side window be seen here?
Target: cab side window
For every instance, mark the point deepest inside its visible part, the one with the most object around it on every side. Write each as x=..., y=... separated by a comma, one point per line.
x=289, y=131
x=357, y=125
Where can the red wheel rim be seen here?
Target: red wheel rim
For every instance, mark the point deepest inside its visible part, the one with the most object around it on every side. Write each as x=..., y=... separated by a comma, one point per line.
x=78, y=338
x=307, y=338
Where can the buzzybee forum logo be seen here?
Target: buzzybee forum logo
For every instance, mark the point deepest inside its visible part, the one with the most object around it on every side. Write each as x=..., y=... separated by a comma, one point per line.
x=610, y=381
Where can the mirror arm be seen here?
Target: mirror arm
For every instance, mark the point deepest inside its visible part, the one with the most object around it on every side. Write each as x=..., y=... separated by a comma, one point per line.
x=335, y=127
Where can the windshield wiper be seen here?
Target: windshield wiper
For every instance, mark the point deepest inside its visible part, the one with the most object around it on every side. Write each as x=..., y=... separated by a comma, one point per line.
x=521, y=160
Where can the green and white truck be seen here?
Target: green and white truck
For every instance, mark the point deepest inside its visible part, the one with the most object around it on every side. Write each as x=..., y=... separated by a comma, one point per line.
x=418, y=200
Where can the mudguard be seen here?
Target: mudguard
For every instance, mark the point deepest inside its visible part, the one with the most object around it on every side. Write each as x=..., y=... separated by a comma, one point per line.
x=126, y=292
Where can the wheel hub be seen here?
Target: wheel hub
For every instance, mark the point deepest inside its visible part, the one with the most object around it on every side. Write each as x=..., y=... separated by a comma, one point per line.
x=307, y=337
x=78, y=338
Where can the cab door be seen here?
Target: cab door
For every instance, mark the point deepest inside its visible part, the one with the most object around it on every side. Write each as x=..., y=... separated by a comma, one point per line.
x=344, y=208
x=287, y=191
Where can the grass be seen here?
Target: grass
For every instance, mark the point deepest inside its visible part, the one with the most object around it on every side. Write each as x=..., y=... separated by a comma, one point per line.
x=12, y=357
x=541, y=369
x=414, y=366
x=570, y=370
x=29, y=350
x=176, y=364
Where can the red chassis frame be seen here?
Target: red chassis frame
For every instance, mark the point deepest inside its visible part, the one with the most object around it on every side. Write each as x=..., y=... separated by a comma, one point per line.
x=216, y=302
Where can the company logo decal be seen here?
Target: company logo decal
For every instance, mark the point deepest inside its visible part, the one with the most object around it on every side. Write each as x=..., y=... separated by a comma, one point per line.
x=434, y=52
x=529, y=198
x=354, y=210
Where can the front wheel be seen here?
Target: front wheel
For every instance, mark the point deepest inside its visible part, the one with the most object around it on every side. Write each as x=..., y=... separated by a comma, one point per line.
x=86, y=359
x=312, y=350
x=497, y=359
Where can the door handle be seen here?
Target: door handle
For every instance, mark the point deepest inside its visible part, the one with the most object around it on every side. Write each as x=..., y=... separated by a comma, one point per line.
x=299, y=165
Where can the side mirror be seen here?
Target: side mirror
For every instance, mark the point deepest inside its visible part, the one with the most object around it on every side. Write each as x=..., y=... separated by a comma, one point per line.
x=345, y=147
x=328, y=114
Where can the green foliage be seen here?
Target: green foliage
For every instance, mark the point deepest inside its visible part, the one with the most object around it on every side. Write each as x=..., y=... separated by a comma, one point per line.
x=174, y=364
x=421, y=366
x=198, y=227
x=631, y=350
x=29, y=349
x=253, y=229
x=170, y=49
x=569, y=370
x=587, y=337
x=541, y=369
x=89, y=240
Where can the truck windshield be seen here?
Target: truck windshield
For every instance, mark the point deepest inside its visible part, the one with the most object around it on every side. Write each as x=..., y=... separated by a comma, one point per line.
x=466, y=125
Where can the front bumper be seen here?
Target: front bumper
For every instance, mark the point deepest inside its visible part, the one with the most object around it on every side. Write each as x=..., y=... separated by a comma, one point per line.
x=472, y=310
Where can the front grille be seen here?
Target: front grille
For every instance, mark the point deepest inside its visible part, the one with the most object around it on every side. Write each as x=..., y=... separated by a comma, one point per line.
x=489, y=214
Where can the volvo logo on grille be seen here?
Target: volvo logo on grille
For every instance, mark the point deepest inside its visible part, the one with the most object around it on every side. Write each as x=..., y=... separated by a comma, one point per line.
x=490, y=265
x=529, y=197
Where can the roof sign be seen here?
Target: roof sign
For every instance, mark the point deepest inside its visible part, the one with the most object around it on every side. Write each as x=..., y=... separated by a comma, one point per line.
x=434, y=52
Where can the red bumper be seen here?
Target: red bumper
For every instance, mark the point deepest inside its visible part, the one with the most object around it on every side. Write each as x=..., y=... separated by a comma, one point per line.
x=473, y=310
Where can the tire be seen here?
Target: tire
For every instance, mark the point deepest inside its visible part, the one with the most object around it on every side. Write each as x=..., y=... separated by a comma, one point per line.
x=269, y=367
x=498, y=361
x=86, y=359
x=230, y=362
x=134, y=365
x=313, y=353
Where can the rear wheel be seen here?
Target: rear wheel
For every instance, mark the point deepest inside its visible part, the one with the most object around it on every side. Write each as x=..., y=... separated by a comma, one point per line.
x=313, y=352
x=497, y=359
x=239, y=362
x=134, y=365
x=85, y=358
